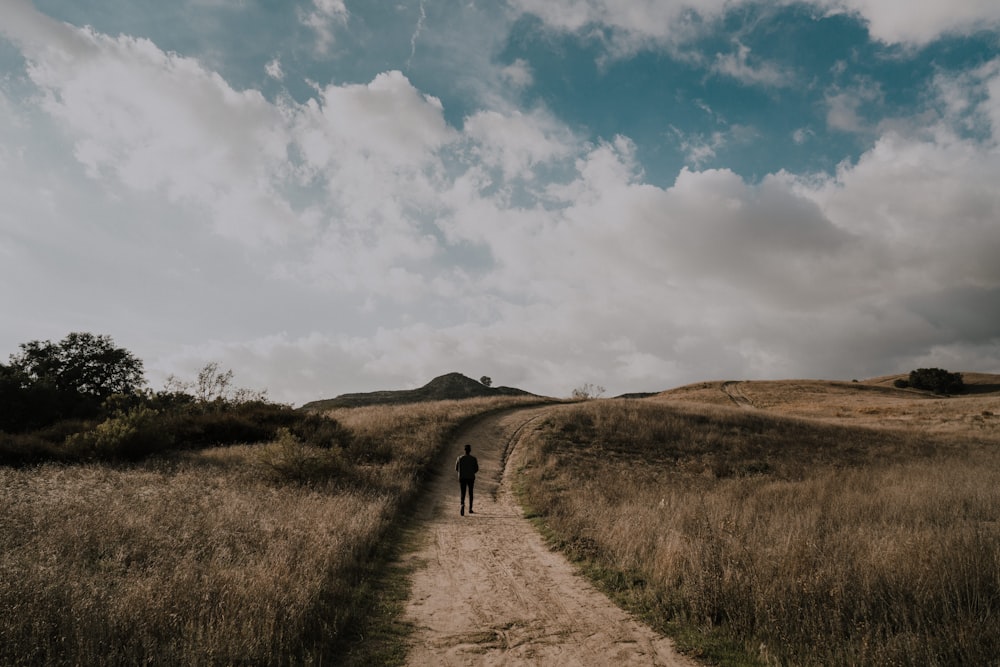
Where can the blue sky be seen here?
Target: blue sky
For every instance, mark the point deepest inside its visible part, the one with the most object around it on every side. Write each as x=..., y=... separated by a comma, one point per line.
x=331, y=196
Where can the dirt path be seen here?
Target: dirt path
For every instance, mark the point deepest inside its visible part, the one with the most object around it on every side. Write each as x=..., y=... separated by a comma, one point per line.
x=487, y=591
x=735, y=392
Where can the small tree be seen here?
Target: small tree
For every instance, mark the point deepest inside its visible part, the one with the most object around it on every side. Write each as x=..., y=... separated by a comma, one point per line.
x=486, y=380
x=213, y=386
x=587, y=391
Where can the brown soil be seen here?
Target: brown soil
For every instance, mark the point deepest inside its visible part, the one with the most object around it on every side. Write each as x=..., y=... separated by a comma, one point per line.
x=486, y=589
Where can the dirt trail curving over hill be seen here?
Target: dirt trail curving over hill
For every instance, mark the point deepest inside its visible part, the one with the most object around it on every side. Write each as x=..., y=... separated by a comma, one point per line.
x=735, y=392
x=486, y=589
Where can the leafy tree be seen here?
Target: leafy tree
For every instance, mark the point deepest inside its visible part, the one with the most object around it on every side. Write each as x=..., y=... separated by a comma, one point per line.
x=80, y=363
x=24, y=404
x=486, y=380
x=937, y=380
x=49, y=381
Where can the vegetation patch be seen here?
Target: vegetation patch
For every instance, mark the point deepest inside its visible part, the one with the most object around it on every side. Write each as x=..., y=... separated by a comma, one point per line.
x=759, y=539
x=936, y=380
x=202, y=524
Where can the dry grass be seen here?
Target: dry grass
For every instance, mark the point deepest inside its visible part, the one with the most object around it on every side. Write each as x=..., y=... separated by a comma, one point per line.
x=181, y=563
x=242, y=555
x=796, y=541
x=875, y=403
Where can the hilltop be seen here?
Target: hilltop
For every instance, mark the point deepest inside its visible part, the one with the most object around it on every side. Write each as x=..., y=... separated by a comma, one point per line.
x=451, y=386
x=872, y=402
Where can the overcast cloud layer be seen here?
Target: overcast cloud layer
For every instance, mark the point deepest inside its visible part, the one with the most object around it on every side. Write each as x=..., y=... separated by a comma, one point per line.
x=357, y=196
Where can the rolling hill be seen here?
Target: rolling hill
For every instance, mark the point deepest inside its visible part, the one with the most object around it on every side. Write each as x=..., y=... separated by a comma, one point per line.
x=451, y=386
x=875, y=402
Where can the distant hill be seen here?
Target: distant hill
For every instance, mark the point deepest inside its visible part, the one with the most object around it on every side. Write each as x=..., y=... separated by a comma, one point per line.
x=451, y=386
x=874, y=402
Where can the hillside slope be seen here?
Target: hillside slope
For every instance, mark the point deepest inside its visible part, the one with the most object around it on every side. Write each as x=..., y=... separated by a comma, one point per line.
x=451, y=386
x=874, y=402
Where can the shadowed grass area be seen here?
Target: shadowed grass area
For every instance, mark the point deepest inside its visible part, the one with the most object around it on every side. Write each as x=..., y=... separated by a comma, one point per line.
x=269, y=554
x=755, y=538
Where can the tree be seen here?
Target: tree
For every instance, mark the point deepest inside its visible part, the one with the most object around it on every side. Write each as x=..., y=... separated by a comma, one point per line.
x=937, y=380
x=49, y=381
x=486, y=380
x=213, y=386
x=587, y=391
x=80, y=363
x=23, y=404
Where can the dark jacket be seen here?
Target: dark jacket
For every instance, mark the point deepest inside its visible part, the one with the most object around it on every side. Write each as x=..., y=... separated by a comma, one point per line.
x=467, y=466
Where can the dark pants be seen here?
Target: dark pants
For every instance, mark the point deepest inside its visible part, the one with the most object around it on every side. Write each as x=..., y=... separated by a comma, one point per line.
x=467, y=484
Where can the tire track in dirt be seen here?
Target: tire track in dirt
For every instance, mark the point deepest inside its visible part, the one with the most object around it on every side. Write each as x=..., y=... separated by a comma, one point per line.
x=486, y=590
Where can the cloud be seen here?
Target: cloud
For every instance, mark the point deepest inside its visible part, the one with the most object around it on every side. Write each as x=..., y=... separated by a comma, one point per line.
x=324, y=18
x=386, y=119
x=802, y=134
x=738, y=66
x=416, y=33
x=700, y=149
x=348, y=169
x=518, y=74
x=273, y=69
x=159, y=122
x=918, y=22
x=356, y=240
x=371, y=153
x=932, y=205
x=970, y=101
x=845, y=106
x=516, y=142
x=632, y=26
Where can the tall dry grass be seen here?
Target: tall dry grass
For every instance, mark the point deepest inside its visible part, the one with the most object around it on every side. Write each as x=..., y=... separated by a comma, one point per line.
x=797, y=542
x=251, y=555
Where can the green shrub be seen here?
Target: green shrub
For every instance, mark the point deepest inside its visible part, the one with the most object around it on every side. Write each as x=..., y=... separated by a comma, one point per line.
x=218, y=428
x=320, y=431
x=289, y=459
x=200, y=424
x=129, y=436
x=937, y=380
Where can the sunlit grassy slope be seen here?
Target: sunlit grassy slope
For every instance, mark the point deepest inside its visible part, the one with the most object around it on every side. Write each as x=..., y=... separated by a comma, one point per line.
x=794, y=522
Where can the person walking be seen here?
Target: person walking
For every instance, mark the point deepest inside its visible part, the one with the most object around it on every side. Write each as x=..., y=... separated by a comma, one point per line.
x=467, y=467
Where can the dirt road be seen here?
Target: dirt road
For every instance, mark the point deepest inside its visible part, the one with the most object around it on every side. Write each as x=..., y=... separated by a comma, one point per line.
x=487, y=591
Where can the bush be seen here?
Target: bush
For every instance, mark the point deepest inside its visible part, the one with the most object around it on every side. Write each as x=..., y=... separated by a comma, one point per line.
x=193, y=428
x=137, y=430
x=23, y=449
x=131, y=424
x=127, y=436
x=319, y=431
x=291, y=460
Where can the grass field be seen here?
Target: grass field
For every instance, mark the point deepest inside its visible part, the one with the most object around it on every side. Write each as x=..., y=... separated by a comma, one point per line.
x=269, y=554
x=836, y=523
x=798, y=522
